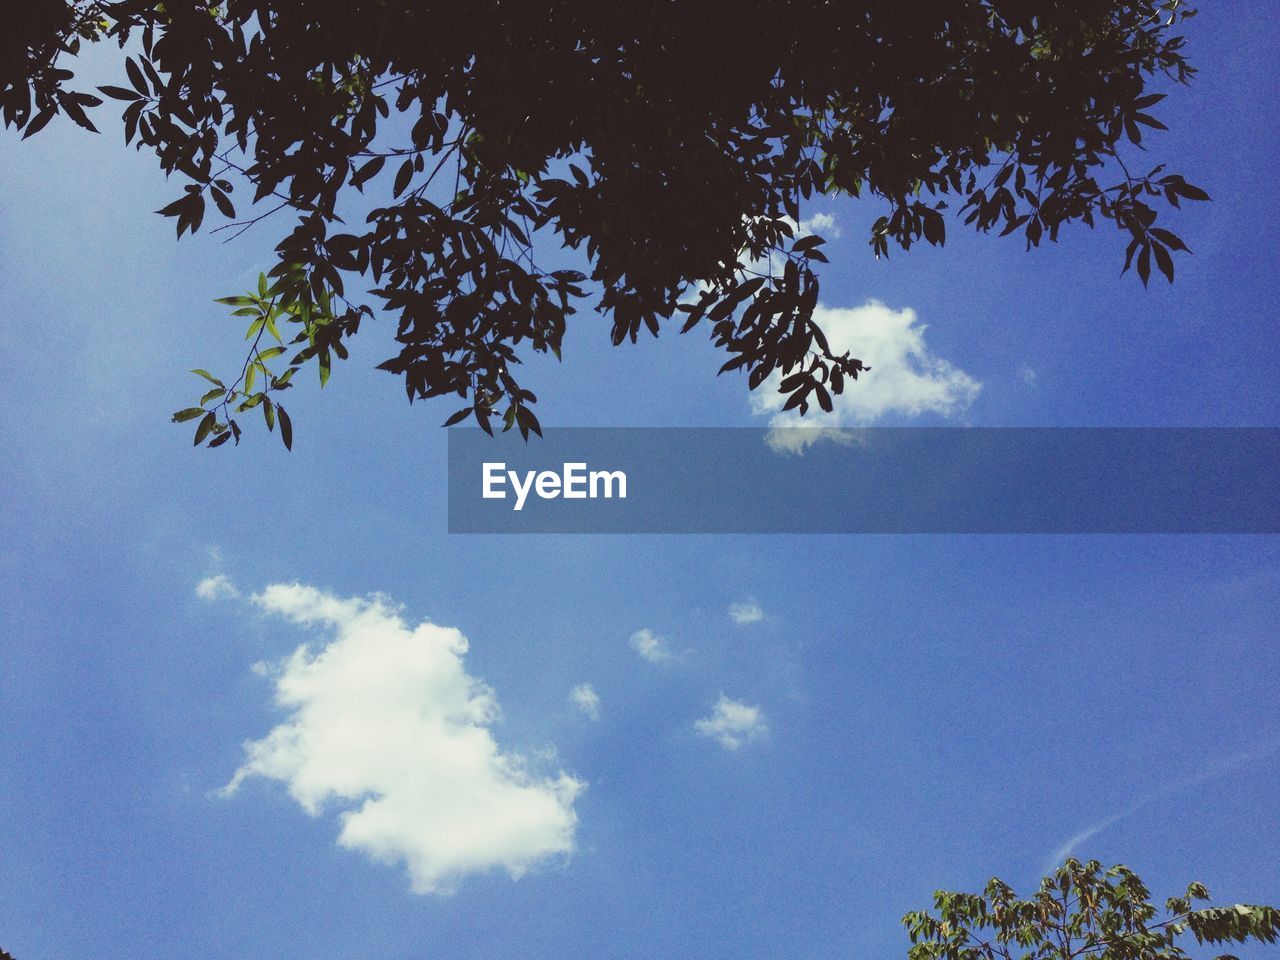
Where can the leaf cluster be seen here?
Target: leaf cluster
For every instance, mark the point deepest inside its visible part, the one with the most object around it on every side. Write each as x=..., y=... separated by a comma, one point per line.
x=1082, y=911
x=671, y=144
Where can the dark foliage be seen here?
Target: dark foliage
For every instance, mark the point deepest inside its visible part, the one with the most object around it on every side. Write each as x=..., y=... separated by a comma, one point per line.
x=671, y=142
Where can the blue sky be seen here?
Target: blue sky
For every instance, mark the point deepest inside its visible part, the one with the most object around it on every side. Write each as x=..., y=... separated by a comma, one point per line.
x=929, y=711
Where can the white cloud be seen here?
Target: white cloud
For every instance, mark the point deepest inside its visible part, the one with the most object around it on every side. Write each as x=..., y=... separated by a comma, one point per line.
x=650, y=646
x=905, y=377
x=732, y=723
x=823, y=223
x=218, y=587
x=585, y=698
x=385, y=722
x=746, y=612
x=1027, y=374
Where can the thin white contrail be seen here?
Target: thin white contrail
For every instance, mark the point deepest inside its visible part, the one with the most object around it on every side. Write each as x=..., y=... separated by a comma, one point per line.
x=1216, y=769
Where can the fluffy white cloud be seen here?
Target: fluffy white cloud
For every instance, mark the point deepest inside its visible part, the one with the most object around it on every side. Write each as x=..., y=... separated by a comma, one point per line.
x=905, y=377
x=747, y=612
x=218, y=587
x=650, y=646
x=385, y=722
x=732, y=723
x=585, y=698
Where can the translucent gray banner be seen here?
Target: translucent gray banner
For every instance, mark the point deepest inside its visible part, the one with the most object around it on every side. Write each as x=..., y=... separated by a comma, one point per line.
x=879, y=480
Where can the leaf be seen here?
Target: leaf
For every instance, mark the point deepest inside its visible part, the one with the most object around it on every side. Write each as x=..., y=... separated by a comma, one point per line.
x=1191, y=193
x=367, y=172
x=174, y=209
x=77, y=114
x=824, y=398
x=188, y=414
x=224, y=203
x=205, y=428
x=269, y=414
x=38, y=124
x=1163, y=261
x=286, y=427
x=135, y=76
x=457, y=417
x=403, y=177
x=121, y=93
x=208, y=376
x=1171, y=240
x=220, y=440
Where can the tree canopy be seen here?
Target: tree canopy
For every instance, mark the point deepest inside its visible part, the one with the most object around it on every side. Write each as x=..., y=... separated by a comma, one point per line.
x=445, y=152
x=1081, y=911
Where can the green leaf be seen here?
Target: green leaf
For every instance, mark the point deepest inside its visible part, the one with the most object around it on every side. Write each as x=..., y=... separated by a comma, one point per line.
x=190, y=413
x=205, y=428
x=208, y=376
x=269, y=414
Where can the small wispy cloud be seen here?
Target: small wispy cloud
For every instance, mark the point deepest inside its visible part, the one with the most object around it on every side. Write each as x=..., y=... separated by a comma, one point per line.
x=217, y=587
x=1027, y=374
x=650, y=646
x=585, y=698
x=746, y=612
x=1210, y=772
x=385, y=723
x=732, y=723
